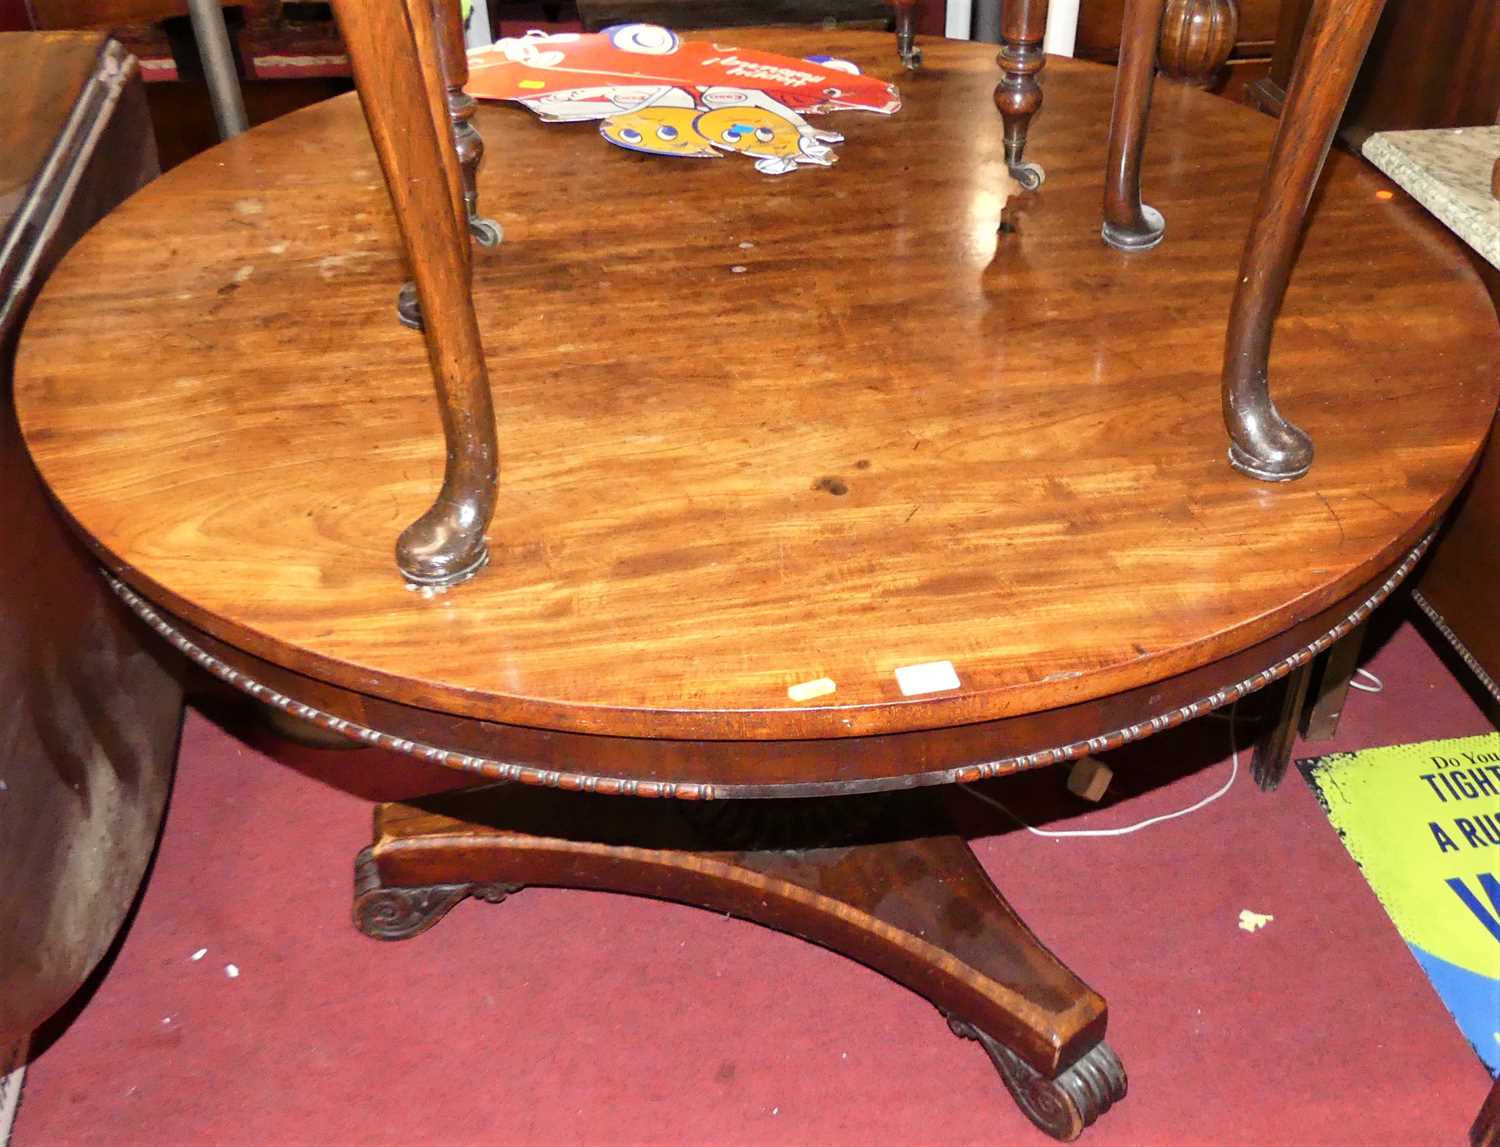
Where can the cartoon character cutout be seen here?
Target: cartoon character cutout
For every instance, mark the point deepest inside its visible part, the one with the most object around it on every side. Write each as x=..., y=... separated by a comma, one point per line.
x=754, y=124
x=731, y=120
x=659, y=131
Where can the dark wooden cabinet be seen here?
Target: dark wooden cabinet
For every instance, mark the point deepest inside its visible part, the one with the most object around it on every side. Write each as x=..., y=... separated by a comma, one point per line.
x=1432, y=63
x=89, y=709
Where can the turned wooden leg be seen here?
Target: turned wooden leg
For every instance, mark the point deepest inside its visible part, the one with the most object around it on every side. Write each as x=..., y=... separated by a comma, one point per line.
x=1273, y=748
x=1130, y=224
x=1263, y=444
x=881, y=879
x=453, y=58
x=394, y=55
x=1320, y=720
x=1018, y=95
x=906, y=33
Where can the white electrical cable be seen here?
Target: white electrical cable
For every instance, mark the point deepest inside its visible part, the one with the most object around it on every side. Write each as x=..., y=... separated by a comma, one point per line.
x=1376, y=685
x=1057, y=834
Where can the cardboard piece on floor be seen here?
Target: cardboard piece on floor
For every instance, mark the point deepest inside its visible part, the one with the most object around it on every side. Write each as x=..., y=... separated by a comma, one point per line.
x=1422, y=822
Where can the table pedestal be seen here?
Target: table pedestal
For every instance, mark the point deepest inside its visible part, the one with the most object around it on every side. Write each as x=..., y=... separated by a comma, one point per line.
x=883, y=879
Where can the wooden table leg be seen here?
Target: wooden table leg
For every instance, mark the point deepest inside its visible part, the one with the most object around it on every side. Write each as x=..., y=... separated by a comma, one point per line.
x=1273, y=748
x=882, y=879
x=1320, y=720
x=1018, y=95
x=1129, y=224
x=1486, y=1129
x=393, y=50
x=453, y=59
x=1263, y=444
x=906, y=32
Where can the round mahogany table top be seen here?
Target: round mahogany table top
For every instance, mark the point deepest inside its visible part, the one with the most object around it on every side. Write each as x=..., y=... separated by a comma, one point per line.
x=758, y=431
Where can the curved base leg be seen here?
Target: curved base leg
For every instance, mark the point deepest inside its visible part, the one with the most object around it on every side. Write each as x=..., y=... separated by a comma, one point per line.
x=1064, y=1106
x=1136, y=238
x=881, y=879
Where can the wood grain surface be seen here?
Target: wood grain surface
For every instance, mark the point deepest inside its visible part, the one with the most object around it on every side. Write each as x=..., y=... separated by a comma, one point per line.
x=757, y=431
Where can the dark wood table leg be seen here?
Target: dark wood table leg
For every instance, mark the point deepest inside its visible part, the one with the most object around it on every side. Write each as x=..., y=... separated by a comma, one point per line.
x=1320, y=720
x=1018, y=95
x=1273, y=748
x=453, y=58
x=1486, y=1129
x=906, y=32
x=1263, y=444
x=882, y=879
x=393, y=50
x=1129, y=224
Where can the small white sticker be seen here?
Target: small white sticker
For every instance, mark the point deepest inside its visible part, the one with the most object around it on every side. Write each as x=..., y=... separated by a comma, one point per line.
x=231, y=971
x=929, y=677
x=807, y=690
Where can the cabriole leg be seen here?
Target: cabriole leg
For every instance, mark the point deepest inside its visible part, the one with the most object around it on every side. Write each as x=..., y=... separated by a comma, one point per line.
x=1263, y=444
x=1130, y=224
x=394, y=56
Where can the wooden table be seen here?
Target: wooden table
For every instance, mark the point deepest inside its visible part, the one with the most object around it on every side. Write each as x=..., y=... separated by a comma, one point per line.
x=758, y=433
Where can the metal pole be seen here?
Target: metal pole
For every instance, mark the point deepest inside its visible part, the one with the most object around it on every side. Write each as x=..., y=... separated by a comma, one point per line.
x=218, y=67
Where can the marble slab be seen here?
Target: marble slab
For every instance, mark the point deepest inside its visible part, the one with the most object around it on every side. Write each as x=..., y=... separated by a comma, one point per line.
x=1447, y=170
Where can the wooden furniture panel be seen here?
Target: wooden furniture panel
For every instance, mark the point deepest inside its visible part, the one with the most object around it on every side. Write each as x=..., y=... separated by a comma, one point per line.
x=91, y=701
x=1100, y=21
x=1432, y=63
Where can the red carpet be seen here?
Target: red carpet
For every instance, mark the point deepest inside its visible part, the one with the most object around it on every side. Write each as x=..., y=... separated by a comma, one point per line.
x=579, y=1018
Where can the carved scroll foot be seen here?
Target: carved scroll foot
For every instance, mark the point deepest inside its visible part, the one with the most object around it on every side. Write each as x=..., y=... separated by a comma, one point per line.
x=1064, y=1106
x=383, y=912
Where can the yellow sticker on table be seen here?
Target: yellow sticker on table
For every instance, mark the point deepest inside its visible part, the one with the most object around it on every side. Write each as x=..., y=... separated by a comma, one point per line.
x=1423, y=822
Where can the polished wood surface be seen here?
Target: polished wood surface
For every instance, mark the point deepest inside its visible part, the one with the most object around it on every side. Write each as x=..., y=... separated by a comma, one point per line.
x=88, y=724
x=895, y=437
